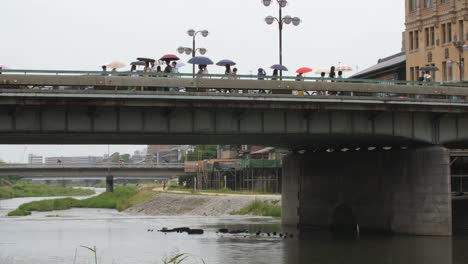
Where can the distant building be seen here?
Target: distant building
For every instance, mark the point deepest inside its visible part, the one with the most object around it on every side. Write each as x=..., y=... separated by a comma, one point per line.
x=34, y=159
x=435, y=36
x=85, y=160
x=389, y=68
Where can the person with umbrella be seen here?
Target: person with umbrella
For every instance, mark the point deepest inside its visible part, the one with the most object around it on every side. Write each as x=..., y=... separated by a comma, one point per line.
x=274, y=75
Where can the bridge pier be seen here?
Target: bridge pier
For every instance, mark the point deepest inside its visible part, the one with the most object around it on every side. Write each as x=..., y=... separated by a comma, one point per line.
x=404, y=192
x=109, y=183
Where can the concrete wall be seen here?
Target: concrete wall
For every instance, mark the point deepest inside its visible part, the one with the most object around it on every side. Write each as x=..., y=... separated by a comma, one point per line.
x=406, y=192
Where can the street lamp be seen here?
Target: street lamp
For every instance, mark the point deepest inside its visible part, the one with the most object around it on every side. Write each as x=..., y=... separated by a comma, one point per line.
x=281, y=21
x=193, y=33
x=189, y=51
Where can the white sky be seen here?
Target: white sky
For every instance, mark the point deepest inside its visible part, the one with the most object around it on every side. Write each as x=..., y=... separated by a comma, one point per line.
x=70, y=34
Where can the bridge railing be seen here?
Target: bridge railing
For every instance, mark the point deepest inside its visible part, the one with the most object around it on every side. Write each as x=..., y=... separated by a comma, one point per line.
x=93, y=166
x=125, y=82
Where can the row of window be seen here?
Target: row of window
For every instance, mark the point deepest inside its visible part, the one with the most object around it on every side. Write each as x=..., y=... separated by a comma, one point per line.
x=413, y=4
x=447, y=72
x=430, y=35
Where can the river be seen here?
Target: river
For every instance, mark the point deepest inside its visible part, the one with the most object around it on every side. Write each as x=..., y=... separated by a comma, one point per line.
x=55, y=238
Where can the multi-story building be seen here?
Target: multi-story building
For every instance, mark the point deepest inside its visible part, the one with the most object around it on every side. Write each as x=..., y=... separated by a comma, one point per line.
x=435, y=36
x=34, y=159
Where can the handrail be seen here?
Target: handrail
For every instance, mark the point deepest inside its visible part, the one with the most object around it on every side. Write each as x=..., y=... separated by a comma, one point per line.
x=92, y=166
x=220, y=76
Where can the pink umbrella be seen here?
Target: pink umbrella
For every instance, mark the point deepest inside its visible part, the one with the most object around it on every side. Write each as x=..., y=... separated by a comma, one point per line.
x=4, y=67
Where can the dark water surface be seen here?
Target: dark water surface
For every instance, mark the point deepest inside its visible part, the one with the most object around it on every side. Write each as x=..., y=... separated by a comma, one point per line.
x=121, y=238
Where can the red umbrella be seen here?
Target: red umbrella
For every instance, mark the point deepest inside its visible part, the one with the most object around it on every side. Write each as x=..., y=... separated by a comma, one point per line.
x=169, y=57
x=304, y=70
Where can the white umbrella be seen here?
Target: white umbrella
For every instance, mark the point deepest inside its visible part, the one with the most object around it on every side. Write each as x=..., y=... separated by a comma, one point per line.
x=320, y=70
x=344, y=68
x=179, y=64
x=116, y=65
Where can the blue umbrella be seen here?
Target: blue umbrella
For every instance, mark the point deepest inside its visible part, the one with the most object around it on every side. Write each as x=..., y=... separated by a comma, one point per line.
x=279, y=67
x=226, y=62
x=200, y=60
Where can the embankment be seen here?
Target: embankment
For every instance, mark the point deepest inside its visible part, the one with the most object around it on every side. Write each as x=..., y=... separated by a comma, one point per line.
x=170, y=204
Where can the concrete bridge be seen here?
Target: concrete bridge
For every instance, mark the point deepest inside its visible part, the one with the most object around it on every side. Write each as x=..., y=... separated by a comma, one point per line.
x=77, y=171
x=375, y=155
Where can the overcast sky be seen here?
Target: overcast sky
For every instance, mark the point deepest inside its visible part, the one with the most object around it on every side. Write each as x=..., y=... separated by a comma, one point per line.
x=70, y=34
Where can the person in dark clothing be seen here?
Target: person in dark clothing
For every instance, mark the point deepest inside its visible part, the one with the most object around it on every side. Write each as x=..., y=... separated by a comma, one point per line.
x=261, y=74
x=274, y=76
x=332, y=75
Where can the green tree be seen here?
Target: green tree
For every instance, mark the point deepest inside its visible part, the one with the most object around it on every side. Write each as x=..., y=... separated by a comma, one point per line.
x=125, y=158
x=202, y=152
x=115, y=157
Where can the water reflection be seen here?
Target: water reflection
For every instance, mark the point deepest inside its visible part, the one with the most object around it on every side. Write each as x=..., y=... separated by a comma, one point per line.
x=324, y=248
x=122, y=238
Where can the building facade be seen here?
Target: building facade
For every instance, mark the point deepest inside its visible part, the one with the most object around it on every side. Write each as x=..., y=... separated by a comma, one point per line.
x=436, y=31
x=35, y=159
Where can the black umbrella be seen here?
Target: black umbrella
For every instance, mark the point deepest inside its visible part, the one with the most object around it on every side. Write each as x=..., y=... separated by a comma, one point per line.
x=146, y=59
x=138, y=63
x=428, y=68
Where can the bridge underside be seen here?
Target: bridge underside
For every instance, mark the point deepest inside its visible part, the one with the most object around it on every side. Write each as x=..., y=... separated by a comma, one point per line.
x=406, y=192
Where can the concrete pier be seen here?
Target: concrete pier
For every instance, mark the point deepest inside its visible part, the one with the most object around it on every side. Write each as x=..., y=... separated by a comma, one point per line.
x=109, y=183
x=404, y=192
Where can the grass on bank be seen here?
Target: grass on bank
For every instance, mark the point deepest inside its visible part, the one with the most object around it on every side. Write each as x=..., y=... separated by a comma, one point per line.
x=17, y=188
x=261, y=208
x=122, y=198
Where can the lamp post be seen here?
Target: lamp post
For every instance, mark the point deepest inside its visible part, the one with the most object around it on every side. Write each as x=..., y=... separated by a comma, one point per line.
x=281, y=21
x=192, y=33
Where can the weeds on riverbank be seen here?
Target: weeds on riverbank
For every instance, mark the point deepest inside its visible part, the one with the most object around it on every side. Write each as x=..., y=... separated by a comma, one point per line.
x=122, y=198
x=18, y=188
x=261, y=208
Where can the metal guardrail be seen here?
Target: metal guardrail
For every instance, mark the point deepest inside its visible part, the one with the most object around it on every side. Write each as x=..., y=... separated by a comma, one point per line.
x=93, y=166
x=223, y=76
x=120, y=83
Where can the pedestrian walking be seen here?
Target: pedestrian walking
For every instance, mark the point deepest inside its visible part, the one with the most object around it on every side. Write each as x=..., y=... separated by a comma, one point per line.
x=234, y=74
x=274, y=75
x=261, y=74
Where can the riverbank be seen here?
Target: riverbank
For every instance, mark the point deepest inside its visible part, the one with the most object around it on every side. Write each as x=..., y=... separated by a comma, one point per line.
x=12, y=188
x=173, y=204
x=122, y=198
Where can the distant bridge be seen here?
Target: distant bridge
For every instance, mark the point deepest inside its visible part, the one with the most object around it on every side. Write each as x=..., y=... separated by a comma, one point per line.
x=83, y=171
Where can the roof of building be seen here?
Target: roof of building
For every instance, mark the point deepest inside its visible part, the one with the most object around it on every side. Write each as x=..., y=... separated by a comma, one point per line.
x=382, y=64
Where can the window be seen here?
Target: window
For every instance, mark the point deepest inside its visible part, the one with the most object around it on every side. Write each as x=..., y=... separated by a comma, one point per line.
x=461, y=31
x=411, y=69
x=428, y=3
x=416, y=39
x=450, y=72
x=426, y=35
x=449, y=32
x=412, y=5
x=416, y=73
x=444, y=71
x=443, y=34
x=443, y=1
x=411, y=44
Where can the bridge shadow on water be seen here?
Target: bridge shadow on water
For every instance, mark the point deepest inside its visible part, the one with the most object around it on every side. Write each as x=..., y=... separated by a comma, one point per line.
x=345, y=242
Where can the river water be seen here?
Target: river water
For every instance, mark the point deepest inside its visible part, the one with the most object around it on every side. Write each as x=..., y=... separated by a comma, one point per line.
x=55, y=238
